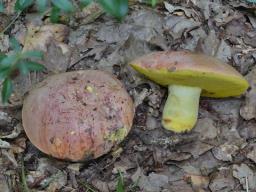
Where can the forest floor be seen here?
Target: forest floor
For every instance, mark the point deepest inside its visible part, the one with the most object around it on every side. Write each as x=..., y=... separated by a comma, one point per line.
x=219, y=154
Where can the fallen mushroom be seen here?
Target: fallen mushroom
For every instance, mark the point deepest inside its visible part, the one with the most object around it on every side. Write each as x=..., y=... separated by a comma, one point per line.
x=188, y=75
x=78, y=115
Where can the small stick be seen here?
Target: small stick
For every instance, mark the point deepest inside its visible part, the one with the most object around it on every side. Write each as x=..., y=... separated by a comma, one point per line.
x=11, y=23
x=247, y=184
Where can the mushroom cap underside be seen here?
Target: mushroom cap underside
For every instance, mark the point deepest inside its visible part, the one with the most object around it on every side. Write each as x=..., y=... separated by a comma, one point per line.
x=215, y=78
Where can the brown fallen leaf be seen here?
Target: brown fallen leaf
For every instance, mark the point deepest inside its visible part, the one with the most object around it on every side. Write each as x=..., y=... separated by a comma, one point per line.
x=180, y=10
x=207, y=129
x=248, y=110
x=39, y=36
x=10, y=156
x=243, y=171
x=225, y=152
x=151, y=183
x=4, y=183
x=49, y=39
x=143, y=25
x=5, y=19
x=176, y=26
x=47, y=175
x=16, y=130
x=204, y=165
x=89, y=13
x=162, y=155
x=252, y=154
x=222, y=180
x=4, y=43
x=196, y=148
x=199, y=183
x=19, y=145
x=247, y=130
x=98, y=186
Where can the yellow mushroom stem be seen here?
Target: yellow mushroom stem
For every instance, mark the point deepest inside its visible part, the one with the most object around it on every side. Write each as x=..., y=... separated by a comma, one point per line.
x=181, y=108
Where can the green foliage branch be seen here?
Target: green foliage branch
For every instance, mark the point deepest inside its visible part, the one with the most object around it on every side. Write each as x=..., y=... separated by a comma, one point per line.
x=20, y=63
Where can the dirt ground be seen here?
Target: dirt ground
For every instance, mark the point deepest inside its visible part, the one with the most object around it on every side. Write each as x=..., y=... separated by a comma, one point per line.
x=219, y=154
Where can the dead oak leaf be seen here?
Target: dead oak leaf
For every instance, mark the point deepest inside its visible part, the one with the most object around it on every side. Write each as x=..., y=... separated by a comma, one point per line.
x=39, y=36
x=50, y=39
x=198, y=182
x=248, y=110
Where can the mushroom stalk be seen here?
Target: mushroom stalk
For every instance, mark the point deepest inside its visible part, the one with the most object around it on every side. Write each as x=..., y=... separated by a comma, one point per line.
x=181, y=108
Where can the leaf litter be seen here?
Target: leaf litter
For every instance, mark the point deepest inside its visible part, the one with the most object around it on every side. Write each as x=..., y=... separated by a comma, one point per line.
x=218, y=155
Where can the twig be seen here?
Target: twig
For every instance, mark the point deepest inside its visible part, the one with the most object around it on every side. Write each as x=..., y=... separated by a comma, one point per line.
x=247, y=184
x=80, y=59
x=11, y=23
x=23, y=177
x=87, y=187
x=10, y=156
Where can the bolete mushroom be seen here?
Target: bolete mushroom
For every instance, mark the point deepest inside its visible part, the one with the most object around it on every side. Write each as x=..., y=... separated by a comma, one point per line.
x=188, y=76
x=78, y=115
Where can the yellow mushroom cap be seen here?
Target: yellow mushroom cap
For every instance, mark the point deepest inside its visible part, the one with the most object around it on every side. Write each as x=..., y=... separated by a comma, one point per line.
x=215, y=78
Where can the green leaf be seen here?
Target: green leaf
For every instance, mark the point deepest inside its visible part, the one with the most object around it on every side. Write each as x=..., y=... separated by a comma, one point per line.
x=55, y=14
x=1, y=7
x=64, y=5
x=120, y=183
x=252, y=1
x=2, y=56
x=32, y=54
x=85, y=3
x=4, y=72
x=6, y=90
x=10, y=59
x=23, y=68
x=41, y=5
x=14, y=44
x=20, y=5
x=153, y=3
x=116, y=8
x=34, y=66
x=26, y=66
